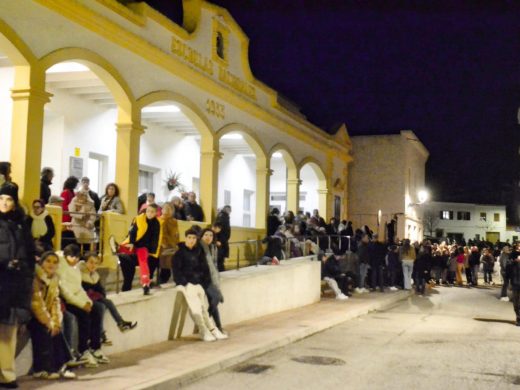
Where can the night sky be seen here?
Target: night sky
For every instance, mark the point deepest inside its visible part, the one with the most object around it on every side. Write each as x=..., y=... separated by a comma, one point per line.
x=448, y=70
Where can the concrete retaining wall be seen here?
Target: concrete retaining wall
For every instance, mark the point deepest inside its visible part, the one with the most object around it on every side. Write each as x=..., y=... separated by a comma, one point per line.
x=249, y=293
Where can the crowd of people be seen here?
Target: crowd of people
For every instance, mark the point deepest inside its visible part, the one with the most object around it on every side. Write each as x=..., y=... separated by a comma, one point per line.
x=47, y=291
x=50, y=291
x=356, y=261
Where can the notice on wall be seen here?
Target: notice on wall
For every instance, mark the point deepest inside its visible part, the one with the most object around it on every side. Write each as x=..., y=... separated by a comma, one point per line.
x=76, y=167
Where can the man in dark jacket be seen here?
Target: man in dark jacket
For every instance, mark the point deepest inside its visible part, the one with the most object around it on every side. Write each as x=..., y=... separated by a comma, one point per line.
x=85, y=183
x=364, y=259
x=45, y=181
x=273, y=221
x=192, y=276
x=514, y=278
x=377, y=253
x=192, y=209
x=223, y=236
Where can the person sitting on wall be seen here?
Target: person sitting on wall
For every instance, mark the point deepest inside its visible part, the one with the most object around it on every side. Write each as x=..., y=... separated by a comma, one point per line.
x=50, y=353
x=143, y=241
x=192, y=276
x=213, y=291
x=91, y=282
x=274, y=250
x=337, y=281
x=41, y=224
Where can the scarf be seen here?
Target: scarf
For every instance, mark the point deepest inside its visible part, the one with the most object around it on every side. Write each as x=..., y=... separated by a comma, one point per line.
x=39, y=227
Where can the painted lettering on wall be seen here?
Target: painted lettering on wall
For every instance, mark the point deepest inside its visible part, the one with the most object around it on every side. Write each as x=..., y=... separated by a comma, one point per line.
x=215, y=109
x=192, y=56
x=206, y=65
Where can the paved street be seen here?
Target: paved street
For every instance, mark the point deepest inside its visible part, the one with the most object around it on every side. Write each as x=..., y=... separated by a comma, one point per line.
x=455, y=338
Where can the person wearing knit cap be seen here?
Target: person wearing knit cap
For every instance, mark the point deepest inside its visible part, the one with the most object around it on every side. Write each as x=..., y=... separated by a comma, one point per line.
x=16, y=278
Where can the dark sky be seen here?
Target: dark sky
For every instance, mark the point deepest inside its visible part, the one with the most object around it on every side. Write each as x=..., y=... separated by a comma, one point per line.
x=448, y=70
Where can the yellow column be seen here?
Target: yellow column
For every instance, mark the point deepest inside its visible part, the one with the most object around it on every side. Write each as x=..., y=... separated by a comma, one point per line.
x=263, y=174
x=324, y=203
x=127, y=163
x=293, y=194
x=27, y=132
x=209, y=183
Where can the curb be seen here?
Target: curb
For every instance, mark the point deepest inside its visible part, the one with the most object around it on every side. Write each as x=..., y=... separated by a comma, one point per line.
x=179, y=380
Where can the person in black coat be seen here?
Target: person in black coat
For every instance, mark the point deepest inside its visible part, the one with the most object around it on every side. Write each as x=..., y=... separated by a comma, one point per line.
x=376, y=254
x=331, y=268
x=422, y=269
x=273, y=221
x=192, y=209
x=222, y=236
x=45, y=181
x=192, y=275
x=513, y=274
x=17, y=262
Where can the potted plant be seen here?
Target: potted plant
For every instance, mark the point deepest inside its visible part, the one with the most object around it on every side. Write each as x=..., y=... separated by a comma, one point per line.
x=172, y=181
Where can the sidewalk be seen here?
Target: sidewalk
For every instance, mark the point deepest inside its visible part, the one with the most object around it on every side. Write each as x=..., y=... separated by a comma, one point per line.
x=171, y=364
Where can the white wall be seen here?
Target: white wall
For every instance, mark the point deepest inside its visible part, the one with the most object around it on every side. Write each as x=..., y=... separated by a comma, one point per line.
x=170, y=151
x=236, y=174
x=6, y=107
x=278, y=182
x=310, y=185
x=474, y=226
x=72, y=122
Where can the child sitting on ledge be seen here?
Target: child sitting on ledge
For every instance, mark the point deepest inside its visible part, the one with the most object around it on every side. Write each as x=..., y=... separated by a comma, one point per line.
x=91, y=283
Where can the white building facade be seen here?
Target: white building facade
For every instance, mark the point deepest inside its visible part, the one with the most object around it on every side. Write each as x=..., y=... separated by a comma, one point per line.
x=468, y=221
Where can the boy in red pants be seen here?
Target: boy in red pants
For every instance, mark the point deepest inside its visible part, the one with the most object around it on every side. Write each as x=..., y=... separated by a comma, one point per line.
x=144, y=241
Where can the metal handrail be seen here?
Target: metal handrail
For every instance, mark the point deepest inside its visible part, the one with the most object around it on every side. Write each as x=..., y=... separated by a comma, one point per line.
x=257, y=247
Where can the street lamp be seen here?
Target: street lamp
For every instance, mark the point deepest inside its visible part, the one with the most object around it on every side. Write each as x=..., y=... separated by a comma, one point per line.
x=422, y=197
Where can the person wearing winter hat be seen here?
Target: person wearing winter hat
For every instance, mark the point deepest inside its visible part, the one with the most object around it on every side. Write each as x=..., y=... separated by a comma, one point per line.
x=16, y=278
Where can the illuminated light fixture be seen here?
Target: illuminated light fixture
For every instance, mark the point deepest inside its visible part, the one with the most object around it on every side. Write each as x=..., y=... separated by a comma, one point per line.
x=161, y=109
x=277, y=155
x=232, y=136
x=64, y=67
x=422, y=196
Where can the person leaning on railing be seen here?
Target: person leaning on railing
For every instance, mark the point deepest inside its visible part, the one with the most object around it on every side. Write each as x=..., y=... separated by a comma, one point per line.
x=83, y=214
x=111, y=201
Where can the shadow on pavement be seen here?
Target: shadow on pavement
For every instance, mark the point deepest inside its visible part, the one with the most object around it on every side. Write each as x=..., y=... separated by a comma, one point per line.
x=511, y=322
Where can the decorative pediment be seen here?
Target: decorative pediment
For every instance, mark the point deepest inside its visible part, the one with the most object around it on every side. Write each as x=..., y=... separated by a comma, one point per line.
x=342, y=136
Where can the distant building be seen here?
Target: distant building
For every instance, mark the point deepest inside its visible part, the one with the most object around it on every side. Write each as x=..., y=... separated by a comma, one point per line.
x=468, y=221
x=385, y=180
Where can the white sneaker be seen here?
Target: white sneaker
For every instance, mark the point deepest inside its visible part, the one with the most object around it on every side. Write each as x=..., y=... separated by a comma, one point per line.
x=393, y=288
x=358, y=290
x=100, y=357
x=66, y=374
x=341, y=297
x=218, y=334
x=89, y=359
x=505, y=299
x=46, y=375
x=207, y=336
x=364, y=290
